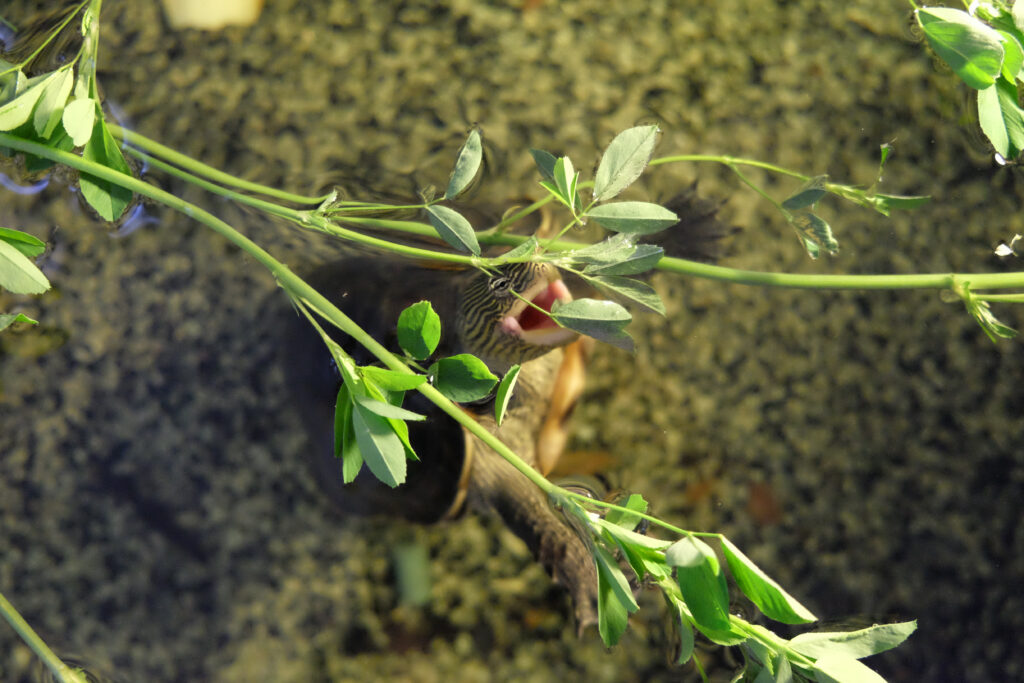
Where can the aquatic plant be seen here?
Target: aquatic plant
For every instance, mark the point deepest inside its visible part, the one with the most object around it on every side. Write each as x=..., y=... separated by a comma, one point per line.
x=50, y=115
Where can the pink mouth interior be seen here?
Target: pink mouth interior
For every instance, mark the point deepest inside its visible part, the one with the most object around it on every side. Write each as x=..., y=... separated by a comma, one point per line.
x=532, y=319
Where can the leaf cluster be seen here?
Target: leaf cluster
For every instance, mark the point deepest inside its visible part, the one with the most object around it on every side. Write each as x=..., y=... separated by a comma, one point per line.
x=693, y=582
x=985, y=48
x=61, y=109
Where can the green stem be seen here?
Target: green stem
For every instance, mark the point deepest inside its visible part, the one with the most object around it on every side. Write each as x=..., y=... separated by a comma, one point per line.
x=291, y=282
x=61, y=671
x=201, y=169
x=728, y=161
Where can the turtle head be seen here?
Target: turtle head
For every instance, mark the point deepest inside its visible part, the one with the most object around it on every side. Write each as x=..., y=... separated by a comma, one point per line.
x=503, y=316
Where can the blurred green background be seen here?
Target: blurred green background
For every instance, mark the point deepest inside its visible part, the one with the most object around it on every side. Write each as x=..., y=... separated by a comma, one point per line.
x=864, y=448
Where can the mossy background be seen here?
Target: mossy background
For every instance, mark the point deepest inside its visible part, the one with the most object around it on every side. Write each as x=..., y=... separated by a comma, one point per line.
x=864, y=447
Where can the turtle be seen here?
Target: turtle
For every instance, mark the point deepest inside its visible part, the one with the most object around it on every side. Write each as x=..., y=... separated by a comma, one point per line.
x=481, y=314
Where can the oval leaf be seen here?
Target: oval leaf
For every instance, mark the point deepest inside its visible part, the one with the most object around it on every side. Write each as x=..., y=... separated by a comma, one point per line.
x=835, y=668
x=643, y=258
x=27, y=244
x=379, y=445
x=1013, y=56
x=626, y=288
x=545, y=163
x=602, y=320
x=18, y=274
x=392, y=380
x=857, y=644
x=814, y=232
x=345, y=446
x=624, y=160
x=385, y=409
x=808, y=194
x=419, y=330
x=109, y=200
x=19, y=110
x=702, y=584
x=637, y=218
x=762, y=590
x=463, y=378
x=8, y=319
x=78, y=119
x=615, y=600
x=504, y=394
x=612, y=250
x=466, y=165
x=971, y=48
x=526, y=248
x=453, y=229
x=51, y=103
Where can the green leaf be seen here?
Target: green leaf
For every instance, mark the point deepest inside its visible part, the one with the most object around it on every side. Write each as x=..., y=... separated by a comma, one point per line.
x=504, y=393
x=636, y=503
x=78, y=119
x=18, y=274
x=8, y=319
x=614, y=598
x=27, y=244
x=808, y=194
x=345, y=446
x=785, y=670
x=631, y=290
x=51, y=103
x=884, y=203
x=466, y=165
x=566, y=179
x=386, y=409
x=19, y=109
x=813, y=229
x=686, y=640
x=980, y=311
x=526, y=248
x=607, y=252
x=1013, y=56
x=835, y=668
x=392, y=380
x=419, y=330
x=380, y=446
x=602, y=320
x=624, y=160
x=638, y=218
x=762, y=590
x=545, y=163
x=971, y=48
x=108, y=199
x=701, y=582
x=1018, y=16
x=453, y=229
x=643, y=258
x=463, y=378
x=857, y=644
x=1001, y=119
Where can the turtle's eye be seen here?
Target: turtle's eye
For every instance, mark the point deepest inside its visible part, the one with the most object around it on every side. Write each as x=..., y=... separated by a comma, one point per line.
x=500, y=285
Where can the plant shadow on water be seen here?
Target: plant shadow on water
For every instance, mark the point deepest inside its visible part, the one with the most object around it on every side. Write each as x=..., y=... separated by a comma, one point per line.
x=860, y=446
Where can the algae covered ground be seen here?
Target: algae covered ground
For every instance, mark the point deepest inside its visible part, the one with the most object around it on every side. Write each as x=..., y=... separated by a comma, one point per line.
x=864, y=448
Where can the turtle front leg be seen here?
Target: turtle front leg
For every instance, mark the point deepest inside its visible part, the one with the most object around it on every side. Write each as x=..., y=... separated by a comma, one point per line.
x=496, y=485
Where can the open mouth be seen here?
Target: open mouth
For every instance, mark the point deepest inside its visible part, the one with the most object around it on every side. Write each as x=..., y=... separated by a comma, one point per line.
x=535, y=326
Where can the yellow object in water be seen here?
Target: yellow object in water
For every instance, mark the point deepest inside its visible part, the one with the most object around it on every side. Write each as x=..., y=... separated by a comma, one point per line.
x=211, y=16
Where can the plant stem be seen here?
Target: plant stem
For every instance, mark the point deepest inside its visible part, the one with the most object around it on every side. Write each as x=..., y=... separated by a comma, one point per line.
x=61, y=671
x=678, y=266
x=728, y=161
x=292, y=283
x=201, y=169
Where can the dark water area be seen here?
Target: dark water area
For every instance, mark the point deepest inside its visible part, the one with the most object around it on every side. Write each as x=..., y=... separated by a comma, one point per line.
x=864, y=448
